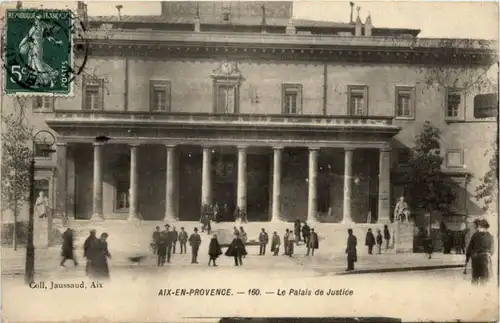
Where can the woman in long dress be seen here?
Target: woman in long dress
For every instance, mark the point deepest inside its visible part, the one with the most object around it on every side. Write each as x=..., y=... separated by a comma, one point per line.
x=214, y=250
x=237, y=250
x=99, y=265
x=32, y=46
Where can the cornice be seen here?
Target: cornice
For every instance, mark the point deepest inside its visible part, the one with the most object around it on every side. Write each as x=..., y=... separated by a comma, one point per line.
x=153, y=44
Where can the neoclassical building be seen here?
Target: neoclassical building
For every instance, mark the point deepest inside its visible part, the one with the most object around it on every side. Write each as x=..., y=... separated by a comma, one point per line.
x=239, y=104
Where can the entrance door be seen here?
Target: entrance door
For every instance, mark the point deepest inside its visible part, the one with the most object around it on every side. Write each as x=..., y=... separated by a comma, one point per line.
x=225, y=197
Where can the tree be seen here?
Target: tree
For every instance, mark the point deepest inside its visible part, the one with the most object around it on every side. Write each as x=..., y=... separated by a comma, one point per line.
x=16, y=158
x=428, y=186
x=487, y=190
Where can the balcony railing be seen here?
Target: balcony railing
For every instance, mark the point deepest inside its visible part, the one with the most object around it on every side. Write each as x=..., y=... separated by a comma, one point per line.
x=216, y=119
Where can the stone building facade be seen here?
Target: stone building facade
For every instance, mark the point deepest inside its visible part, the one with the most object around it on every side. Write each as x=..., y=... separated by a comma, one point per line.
x=238, y=104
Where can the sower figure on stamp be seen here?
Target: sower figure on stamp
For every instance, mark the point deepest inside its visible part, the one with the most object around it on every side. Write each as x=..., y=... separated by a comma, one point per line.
x=479, y=251
x=89, y=248
x=68, y=249
x=214, y=250
x=312, y=242
x=237, y=250
x=194, y=242
x=370, y=241
x=350, y=250
x=263, y=241
x=183, y=238
x=275, y=244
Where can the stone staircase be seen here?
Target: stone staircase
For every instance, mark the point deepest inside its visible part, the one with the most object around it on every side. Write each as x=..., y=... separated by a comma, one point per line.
x=135, y=237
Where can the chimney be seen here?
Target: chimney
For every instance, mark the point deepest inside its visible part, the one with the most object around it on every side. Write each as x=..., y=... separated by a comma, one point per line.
x=351, y=21
x=368, y=26
x=359, y=25
x=19, y=5
x=81, y=12
x=290, y=27
x=197, y=26
x=263, y=23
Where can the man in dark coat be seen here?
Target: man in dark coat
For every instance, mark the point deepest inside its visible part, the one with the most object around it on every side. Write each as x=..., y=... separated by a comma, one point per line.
x=312, y=242
x=194, y=242
x=214, y=250
x=296, y=230
x=156, y=238
x=263, y=241
x=169, y=241
x=479, y=251
x=387, y=236
x=89, y=249
x=351, y=251
x=370, y=241
x=275, y=243
x=161, y=250
x=379, y=241
x=237, y=250
x=175, y=237
x=68, y=247
x=99, y=266
x=183, y=238
x=306, y=231
x=285, y=242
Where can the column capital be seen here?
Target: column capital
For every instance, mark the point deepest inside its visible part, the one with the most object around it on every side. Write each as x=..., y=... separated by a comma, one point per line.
x=134, y=145
x=386, y=149
x=349, y=149
x=242, y=147
x=278, y=147
x=313, y=149
x=170, y=145
x=205, y=146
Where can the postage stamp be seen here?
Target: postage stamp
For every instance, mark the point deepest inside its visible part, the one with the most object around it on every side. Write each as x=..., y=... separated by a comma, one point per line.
x=37, y=52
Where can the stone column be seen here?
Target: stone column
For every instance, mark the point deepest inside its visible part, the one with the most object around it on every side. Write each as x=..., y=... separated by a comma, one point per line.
x=71, y=182
x=61, y=180
x=384, y=186
x=347, y=218
x=170, y=204
x=276, y=196
x=241, y=199
x=134, y=183
x=206, y=177
x=311, y=196
x=97, y=183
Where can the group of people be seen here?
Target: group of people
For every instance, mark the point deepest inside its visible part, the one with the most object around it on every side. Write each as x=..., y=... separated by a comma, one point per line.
x=94, y=249
x=371, y=240
x=211, y=213
x=164, y=244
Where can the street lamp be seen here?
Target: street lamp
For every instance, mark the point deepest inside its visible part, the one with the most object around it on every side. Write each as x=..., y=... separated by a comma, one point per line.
x=45, y=146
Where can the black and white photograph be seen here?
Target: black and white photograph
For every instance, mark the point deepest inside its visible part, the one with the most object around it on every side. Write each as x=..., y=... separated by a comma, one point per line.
x=249, y=161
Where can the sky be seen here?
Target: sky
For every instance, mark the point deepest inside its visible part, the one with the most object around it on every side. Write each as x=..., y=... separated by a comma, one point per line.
x=435, y=19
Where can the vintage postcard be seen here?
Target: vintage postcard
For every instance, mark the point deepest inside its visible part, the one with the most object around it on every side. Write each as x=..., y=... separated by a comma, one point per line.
x=249, y=161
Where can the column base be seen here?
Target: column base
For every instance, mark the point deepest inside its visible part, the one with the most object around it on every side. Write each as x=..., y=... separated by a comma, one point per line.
x=134, y=217
x=347, y=222
x=97, y=217
x=277, y=220
x=169, y=220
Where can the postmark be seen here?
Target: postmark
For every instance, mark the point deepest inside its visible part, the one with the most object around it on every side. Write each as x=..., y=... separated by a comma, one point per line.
x=38, y=53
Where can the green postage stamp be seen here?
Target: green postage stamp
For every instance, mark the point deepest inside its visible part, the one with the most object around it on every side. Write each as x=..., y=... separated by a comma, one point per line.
x=38, y=52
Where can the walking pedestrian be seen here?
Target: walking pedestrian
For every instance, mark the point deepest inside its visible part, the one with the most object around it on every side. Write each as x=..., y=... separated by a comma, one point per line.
x=291, y=242
x=286, y=237
x=68, y=248
x=379, y=242
x=194, y=242
x=237, y=250
x=155, y=239
x=350, y=250
x=296, y=231
x=214, y=250
x=306, y=231
x=175, y=237
x=370, y=241
x=161, y=248
x=99, y=265
x=89, y=249
x=479, y=252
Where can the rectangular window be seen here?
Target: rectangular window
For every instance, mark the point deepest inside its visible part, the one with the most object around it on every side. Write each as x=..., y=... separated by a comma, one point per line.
x=225, y=99
x=453, y=104
x=357, y=100
x=43, y=103
x=93, y=95
x=160, y=96
x=405, y=102
x=454, y=158
x=292, y=98
x=122, y=195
